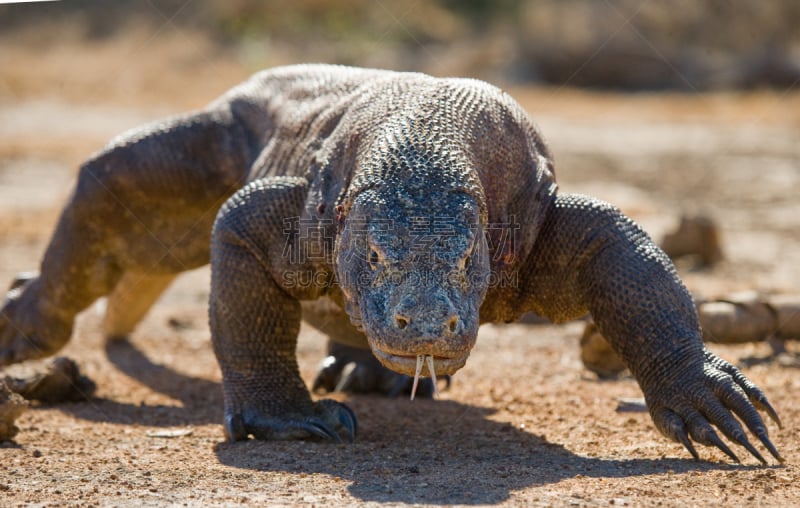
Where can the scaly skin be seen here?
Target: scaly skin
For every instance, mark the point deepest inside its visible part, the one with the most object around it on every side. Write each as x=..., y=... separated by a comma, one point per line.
x=421, y=207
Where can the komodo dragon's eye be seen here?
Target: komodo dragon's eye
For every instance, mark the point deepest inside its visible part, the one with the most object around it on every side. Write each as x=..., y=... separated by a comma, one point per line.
x=466, y=261
x=374, y=258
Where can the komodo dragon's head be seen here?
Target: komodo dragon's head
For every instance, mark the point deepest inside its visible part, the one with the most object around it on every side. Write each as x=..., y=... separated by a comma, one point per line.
x=412, y=257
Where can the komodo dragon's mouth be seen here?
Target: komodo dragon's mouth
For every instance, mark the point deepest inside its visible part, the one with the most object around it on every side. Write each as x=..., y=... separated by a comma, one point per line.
x=413, y=365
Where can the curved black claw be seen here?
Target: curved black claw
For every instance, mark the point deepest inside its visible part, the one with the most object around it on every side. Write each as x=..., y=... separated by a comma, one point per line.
x=235, y=429
x=329, y=420
x=345, y=416
x=356, y=370
x=710, y=398
x=753, y=392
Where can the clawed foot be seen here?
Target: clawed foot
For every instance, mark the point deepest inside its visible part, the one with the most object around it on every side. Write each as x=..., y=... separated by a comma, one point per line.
x=356, y=370
x=61, y=381
x=325, y=419
x=712, y=396
x=25, y=331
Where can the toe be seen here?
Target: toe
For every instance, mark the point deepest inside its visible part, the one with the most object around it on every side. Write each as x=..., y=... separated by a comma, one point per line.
x=235, y=429
x=338, y=417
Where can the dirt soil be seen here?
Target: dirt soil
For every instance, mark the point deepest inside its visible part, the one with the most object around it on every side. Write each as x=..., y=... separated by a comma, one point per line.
x=523, y=423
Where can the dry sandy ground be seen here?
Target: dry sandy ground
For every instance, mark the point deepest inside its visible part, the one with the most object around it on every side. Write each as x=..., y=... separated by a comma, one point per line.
x=523, y=424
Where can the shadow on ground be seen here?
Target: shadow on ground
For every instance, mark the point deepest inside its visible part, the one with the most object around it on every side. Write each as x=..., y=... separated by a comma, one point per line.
x=407, y=452
x=410, y=452
x=199, y=401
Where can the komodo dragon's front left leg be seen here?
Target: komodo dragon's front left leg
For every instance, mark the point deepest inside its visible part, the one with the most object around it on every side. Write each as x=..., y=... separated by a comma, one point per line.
x=255, y=317
x=588, y=256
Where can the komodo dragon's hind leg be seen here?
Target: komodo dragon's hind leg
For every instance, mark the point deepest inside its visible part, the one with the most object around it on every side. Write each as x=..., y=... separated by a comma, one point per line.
x=145, y=205
x=350, y=365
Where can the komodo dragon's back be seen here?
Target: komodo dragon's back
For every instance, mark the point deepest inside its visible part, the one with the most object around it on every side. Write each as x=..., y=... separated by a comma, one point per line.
x=302, y=116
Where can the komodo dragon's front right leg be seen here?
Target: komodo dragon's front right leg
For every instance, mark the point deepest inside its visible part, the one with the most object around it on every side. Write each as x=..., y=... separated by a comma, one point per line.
x=255, y=317
x=141, y=212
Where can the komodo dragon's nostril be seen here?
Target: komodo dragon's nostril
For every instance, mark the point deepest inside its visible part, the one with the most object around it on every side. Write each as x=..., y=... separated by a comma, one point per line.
x=401, y=321
x=452, y=324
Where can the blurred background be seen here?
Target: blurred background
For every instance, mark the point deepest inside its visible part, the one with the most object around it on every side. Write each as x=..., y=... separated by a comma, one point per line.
x=611, y=44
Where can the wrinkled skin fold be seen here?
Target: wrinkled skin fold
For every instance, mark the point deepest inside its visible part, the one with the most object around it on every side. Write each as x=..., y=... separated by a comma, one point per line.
x=419, y=207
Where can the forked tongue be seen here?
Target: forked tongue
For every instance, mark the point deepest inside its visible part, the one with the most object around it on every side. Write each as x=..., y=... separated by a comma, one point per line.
x=422, y=359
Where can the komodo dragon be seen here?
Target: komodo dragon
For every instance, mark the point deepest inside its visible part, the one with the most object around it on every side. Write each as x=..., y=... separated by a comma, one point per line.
x=422, y=207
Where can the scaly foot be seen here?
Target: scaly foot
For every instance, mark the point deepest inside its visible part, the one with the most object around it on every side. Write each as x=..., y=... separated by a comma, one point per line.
x=688, y=404
x=324, y=419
